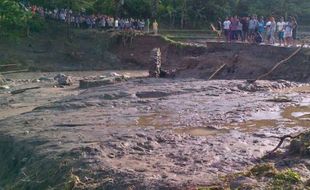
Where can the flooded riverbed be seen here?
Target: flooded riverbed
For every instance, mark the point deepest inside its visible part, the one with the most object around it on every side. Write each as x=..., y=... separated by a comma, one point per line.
x=171, y=132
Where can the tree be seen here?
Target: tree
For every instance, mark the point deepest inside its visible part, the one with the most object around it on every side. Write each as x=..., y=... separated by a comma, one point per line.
x=13, y=18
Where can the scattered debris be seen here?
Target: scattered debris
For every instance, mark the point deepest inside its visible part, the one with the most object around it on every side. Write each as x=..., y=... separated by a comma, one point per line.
x=63, y=79
x=282, y=139
x=256, y=86
x=111, y=78
x=24, y=90
x=280, y=99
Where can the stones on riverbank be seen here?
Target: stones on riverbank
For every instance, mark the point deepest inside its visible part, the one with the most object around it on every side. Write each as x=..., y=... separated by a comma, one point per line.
x=63, y=79
x=102, y=80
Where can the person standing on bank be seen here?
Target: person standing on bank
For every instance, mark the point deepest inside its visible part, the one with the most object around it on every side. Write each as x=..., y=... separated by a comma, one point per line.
x=219, y=28
x=155, y=27
x=280, y=29
x=226, y=26
x=295, y=25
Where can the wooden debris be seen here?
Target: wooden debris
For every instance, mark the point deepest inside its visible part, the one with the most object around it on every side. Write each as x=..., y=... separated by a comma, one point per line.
x=277, y=65
x=217, y=71
x=282, y=139
x=23, y=90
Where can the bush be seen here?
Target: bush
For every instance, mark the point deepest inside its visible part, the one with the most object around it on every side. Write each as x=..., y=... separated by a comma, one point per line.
x=36, y=24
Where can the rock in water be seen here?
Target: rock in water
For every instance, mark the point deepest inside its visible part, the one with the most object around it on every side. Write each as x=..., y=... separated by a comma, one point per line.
x=63, y=79
x=155, y=63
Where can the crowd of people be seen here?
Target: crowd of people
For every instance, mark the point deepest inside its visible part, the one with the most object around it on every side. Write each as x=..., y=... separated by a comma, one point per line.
x=98, y=21
x=254, y=30
x=244, y=29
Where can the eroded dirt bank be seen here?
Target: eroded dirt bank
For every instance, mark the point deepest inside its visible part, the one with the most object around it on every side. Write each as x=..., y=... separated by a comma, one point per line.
x=144, y=133
x=244, y=61
x=95, y=50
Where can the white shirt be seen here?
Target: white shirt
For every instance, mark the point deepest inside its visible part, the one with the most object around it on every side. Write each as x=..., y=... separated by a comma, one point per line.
x=226, y=24
x=280, y=26
x=116, y=23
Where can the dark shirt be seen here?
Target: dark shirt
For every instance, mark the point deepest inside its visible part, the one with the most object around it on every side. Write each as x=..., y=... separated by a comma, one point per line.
x=245, y=24
x=219, y=25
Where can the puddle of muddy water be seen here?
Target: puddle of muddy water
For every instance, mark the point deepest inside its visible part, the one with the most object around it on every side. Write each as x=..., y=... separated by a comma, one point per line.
x=157, y=120
x=290, y=117
x=201, y=131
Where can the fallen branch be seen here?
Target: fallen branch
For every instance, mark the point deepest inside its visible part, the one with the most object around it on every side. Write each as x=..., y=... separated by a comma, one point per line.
x=277, y=65
x=282, y=139
x=217, y=71
x=23, y=90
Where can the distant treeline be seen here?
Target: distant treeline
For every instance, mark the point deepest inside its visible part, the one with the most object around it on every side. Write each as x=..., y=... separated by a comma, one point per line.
x=186, y=13
x=171, y=13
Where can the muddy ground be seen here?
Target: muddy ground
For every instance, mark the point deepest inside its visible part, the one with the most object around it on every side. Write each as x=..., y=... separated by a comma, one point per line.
x=142, y=133
x=145, y=133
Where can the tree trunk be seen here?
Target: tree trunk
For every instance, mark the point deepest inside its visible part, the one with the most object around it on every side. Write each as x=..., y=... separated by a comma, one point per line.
x=154, y=5
x=183, y=13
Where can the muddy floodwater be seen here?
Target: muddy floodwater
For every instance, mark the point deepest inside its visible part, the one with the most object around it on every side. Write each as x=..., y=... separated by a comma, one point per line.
x=144, y=133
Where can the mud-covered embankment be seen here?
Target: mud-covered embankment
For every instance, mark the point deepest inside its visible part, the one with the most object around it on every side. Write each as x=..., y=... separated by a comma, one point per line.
x=243, y=61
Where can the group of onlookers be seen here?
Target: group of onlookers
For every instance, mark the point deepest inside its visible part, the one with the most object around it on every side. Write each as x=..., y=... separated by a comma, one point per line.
x=254, y=30
x=245, y=29
x=98, y=21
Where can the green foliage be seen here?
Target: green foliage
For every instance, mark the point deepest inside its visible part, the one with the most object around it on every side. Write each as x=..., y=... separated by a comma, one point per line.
x=288, y=176
x=36, y=24
x=286, y=179
x=76, y=5
x=13, y=18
